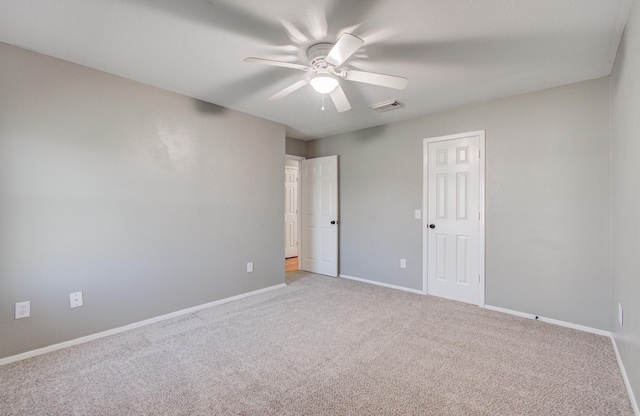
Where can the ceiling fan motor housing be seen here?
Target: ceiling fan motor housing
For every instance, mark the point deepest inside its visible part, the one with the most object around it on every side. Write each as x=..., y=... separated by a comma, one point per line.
x=317, y=54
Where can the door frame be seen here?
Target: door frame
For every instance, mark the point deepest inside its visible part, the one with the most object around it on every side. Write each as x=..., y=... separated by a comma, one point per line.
x=298, y=158
x=481, y=203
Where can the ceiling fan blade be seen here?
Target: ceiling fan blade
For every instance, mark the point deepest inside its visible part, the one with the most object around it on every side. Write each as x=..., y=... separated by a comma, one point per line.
x=291, y=88
x=346, y=46
x=390, y=81
x=340, y=100
x=277, y=63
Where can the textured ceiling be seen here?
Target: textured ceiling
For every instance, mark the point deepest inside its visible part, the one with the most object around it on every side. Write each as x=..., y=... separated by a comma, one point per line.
x=454, y=52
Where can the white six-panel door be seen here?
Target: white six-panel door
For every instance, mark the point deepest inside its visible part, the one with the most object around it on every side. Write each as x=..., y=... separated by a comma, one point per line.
x=291, y=212
x=319, y=221
x=454, y=259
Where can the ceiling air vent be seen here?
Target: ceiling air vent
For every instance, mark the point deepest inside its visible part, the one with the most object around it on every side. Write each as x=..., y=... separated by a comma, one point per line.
x=386, y=106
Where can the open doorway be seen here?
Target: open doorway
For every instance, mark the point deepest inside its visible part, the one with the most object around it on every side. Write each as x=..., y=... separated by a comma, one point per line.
x=311, y=217
x=292, y=213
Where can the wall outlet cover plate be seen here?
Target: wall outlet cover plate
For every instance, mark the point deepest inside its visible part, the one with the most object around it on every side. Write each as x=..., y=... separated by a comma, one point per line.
x=75, y=300
x=23, y=310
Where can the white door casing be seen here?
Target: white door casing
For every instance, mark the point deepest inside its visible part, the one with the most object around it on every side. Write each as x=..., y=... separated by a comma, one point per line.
x=291, y=212
x=319, y=219
x=454, y=206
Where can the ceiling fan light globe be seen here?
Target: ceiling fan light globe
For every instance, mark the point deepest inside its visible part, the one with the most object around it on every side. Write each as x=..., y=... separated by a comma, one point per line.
x=324, y=84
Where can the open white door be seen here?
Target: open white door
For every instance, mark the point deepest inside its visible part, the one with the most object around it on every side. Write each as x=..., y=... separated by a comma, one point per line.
x=454, y=222
x=319, y=220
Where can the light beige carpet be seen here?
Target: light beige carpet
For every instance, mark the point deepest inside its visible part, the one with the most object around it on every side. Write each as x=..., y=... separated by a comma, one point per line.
x=324, y=346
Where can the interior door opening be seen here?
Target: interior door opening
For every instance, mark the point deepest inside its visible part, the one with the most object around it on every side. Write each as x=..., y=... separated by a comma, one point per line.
x=316, y=210
x=292, y=213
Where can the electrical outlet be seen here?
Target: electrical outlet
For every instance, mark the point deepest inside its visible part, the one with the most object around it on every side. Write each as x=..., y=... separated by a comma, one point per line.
x=403, y=263
x=418, y=214
x=75, y=300
x=249, y=267
x=620, y=314
x=23, y=310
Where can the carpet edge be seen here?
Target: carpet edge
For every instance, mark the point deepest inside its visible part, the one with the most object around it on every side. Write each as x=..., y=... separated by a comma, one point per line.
x=98, y=335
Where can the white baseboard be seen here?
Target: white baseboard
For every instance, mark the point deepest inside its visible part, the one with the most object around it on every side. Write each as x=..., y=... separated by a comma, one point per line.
x=550, y=321
x=373, y=282
x=129, y=327
x=634, y=402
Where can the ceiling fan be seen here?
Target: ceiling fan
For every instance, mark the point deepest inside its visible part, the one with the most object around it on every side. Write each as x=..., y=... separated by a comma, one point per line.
x=324, y=71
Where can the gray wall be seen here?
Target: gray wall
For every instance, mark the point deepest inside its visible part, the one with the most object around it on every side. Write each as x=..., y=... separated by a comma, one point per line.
x=625, y=149
x=296, y=147
x=147, y=201
x=547, y=200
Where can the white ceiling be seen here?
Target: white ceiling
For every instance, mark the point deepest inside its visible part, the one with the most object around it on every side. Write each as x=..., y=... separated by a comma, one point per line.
x=454, y=52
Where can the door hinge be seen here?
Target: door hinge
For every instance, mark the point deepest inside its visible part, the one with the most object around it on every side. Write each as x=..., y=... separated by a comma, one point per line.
x=478, y=278
x=478, y=154
x=478, y=216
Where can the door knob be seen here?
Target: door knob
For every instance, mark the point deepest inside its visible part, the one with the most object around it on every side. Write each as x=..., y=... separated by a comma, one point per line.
x=333, y=222
x=432, y=226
